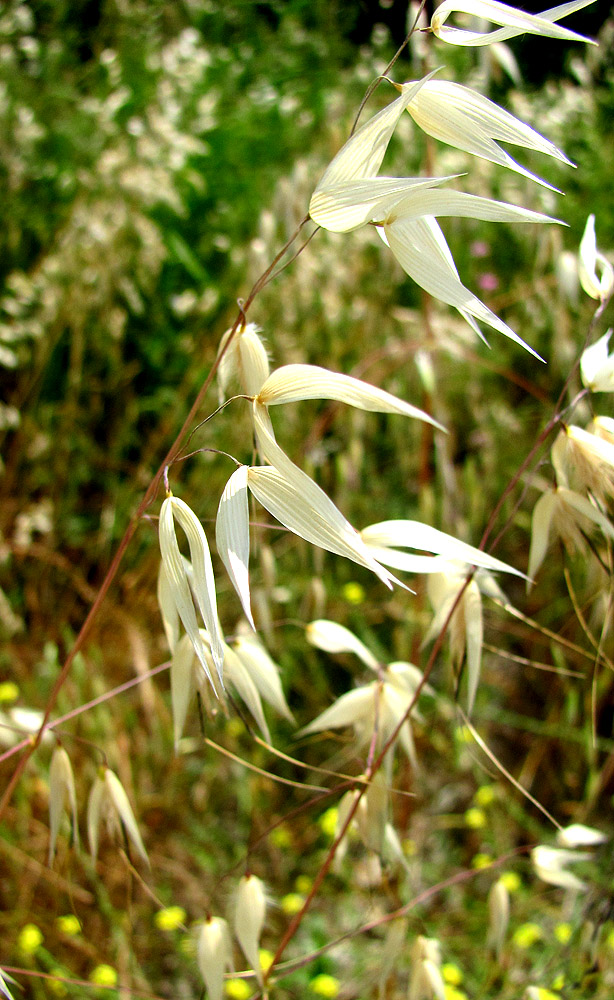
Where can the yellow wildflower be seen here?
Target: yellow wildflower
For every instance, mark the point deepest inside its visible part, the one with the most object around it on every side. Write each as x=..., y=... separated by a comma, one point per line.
x=238, y=989
x=103, y=975
x=527, y=934
x=170, y=918
x=292, y=903
x=30, y=939
x=325, y=986
x=475, y=818
x=69, y=924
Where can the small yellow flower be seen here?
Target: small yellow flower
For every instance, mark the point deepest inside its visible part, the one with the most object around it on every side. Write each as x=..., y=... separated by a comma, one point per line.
x=103, y=975
x=475, y=818
x=353, y=592
x=325, y=986
x=484, y=796
x=266, y=957
x=328, y=821
x=563, y=932
x=451, y=974
x=281, y=837
x=69, y=924
x=527, y=934
x=30, y=939
x=238, y=989
x=481, y=861
x=8, y=692
x=511, y=881
x=292, y=903
x=303, y=884
x=559, y=982
x=170, y=918
x=451, y=993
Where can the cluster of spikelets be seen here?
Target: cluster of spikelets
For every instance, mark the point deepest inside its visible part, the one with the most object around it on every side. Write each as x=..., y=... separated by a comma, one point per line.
x=107, y=803
x=582, y=458
x=404, y=211
x=426, y=980
x=550, y=863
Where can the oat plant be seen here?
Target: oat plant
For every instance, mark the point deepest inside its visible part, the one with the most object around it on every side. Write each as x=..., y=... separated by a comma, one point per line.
x=349, y=880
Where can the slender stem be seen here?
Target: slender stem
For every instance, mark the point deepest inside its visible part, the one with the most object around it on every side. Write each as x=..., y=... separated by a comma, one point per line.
x=373, y=86
x=371, y=771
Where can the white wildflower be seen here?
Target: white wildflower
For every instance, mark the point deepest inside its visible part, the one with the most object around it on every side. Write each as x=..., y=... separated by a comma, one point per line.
x=426, y=981
x=248, y=669
x=350, y=195
x=263, y=671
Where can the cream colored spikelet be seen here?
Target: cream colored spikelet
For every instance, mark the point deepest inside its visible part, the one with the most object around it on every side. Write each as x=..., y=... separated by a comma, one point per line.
x=334, y=638
x=245, y=360
x=249, y=917
x=602, y=427
x=426, y=981
x=513, y=22
x=214, y=955
x=584, y=462
x=203, y=582
x=108, y=800
x=61, y=794
x=550, y=864
x=579, y=835
x=565, y=514
x=594, y=269
x=498, y=915
x=597, y=366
